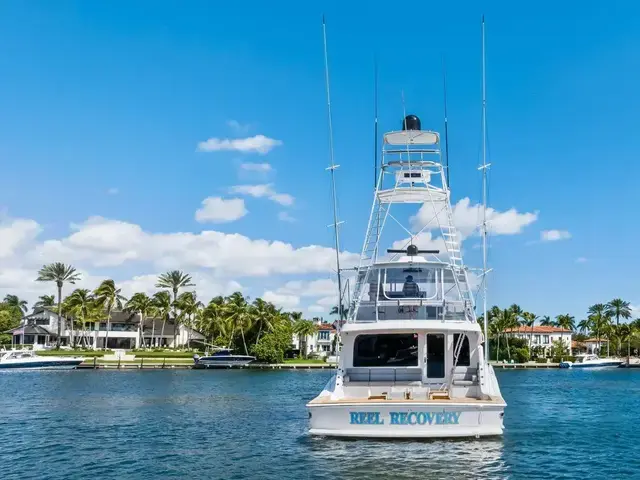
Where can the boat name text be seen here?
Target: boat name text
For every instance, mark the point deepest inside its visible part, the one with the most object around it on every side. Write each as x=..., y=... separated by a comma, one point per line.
x=405, y=418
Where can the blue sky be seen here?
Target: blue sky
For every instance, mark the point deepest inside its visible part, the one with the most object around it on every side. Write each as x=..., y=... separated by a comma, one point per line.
x=103, y=106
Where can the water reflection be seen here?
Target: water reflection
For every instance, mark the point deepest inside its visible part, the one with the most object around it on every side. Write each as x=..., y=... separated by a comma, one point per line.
x=399, y=459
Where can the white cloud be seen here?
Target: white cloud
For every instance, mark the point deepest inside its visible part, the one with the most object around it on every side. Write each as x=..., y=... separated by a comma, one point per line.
x=581, y=260
x=280, y=300
x=238, y=127
x=554, y=235
x=103, y=242
x=291, y=294
x=313, y=288
x=219, y=210
x=256, y=144
x=467, y=218
x=285, y=217
x=14, y=233
x=256, y=167
x=263, y=190
x=113, y=191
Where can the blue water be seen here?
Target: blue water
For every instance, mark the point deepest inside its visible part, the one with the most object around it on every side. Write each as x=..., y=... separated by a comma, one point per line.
x=252, y=424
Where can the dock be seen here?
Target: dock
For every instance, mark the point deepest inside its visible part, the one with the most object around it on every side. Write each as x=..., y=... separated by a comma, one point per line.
x=531, y=365
x=181, y=364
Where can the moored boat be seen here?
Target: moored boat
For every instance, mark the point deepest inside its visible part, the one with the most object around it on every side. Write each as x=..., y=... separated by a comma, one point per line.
x=413, y=359
x=591, y=361
x=14, y=359
x=222, y=358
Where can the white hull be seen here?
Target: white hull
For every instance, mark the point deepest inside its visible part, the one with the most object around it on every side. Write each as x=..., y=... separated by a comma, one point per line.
x=598, y=364
x=400, y=420
x=41, y=364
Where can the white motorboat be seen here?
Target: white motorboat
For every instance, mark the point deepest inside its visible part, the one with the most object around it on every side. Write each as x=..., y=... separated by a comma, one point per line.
x=591, y=361
x=28, y=359
x=222, y=358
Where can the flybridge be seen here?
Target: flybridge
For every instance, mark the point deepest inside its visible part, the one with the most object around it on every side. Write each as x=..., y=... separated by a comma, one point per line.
x=412, y=173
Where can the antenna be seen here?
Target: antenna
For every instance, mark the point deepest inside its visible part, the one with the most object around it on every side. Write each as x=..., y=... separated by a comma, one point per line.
x=332, y=169
x=375, y=123
x=446, y=123
x=484, y=168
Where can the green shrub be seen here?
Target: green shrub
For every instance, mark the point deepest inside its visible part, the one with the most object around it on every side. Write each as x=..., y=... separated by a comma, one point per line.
x=520, y=355
x=271, y=346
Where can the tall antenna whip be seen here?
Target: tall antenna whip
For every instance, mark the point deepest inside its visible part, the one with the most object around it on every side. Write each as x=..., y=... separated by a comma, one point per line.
x=484, y=168
x=446, y=123
x=375, y=123
x=332, y=169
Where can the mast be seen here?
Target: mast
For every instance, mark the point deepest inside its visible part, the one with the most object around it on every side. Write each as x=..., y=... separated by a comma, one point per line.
x=446, y=123
x=484, y=168
x=332, y=169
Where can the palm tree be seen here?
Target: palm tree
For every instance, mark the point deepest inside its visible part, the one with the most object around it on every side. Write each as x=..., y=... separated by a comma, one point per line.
x=174, y=280
x=566, y=322
x=58, y=273
x=141, y=304
x=529, y=320
x=303, y=329
x=547, y=322
x=14, y=301
x=79, y=304
x=505, y=321
x=189, y=307
x=618, y=308
x=45, y=301
x=109, y=298
x=238, y=313
x=625, y=333
x=212, y=320
x=264, y=314
x=599, y=320
x=585, y=325
x=162, y=304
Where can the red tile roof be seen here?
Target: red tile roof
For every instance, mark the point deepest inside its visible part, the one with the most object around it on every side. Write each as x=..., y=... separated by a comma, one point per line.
x=326, y=326
x=536, y=329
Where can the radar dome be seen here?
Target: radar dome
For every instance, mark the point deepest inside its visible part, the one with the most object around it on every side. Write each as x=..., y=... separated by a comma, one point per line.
x=411, y=122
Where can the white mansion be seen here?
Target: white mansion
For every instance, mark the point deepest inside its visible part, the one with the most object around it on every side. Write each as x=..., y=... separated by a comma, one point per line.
x=125, y=332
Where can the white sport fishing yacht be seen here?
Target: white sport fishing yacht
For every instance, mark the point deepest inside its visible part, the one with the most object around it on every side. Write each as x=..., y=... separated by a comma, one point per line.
x=412, y=360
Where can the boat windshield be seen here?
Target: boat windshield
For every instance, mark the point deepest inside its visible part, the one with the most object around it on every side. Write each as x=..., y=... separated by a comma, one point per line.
x=413, y=292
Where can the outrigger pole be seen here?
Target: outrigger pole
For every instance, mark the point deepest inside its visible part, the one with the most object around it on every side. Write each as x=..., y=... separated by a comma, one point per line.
x=332, y=169
x=375, y=124
x=484, y=169
x=446, y=123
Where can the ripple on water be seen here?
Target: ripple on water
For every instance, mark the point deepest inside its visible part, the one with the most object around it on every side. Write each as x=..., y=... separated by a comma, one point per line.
x=252, y=424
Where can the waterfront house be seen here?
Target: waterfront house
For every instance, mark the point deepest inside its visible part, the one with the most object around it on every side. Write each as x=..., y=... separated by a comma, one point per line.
x=321, y=343
x=125, y=332
x=595, y=346
x=541, y=336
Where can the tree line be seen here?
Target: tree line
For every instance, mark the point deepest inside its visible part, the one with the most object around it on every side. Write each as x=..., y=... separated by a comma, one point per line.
x=233, y=321
x=603, y=321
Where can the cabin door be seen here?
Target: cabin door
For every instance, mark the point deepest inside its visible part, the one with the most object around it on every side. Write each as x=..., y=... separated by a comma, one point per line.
x=435, y=355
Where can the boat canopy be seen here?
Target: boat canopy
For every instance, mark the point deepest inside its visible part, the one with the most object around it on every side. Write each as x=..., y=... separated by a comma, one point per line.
x=411, y=137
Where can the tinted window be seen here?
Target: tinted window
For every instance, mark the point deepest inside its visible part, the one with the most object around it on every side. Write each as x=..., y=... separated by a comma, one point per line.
x=464, y=358
x=435, y=355
x=388, y=350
